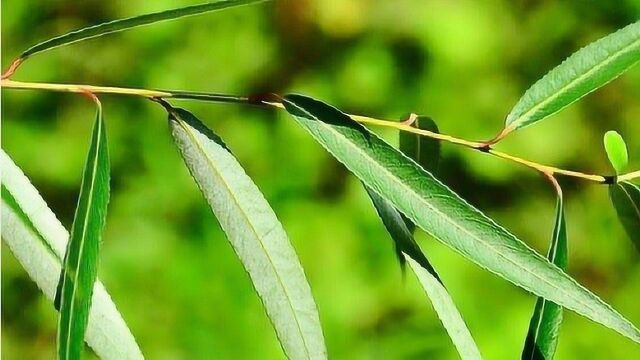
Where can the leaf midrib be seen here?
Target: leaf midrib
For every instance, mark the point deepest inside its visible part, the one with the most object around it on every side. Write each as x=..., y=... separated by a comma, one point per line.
x=525, y=116
x=253, y=229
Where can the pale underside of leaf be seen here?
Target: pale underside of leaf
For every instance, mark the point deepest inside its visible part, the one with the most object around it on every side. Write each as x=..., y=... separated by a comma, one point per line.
x=429, y=280
x=132, y=22
x=626, y=200
x=444, y=215
x=256, y=235
x=544, y=327
x=38, y=240
x=583, y=72
x=81, y=257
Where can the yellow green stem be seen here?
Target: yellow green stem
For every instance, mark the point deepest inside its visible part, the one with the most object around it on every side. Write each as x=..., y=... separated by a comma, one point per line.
x=163, y=94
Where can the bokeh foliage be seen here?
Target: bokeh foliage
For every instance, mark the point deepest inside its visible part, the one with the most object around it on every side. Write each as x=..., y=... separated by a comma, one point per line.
x=465, y=63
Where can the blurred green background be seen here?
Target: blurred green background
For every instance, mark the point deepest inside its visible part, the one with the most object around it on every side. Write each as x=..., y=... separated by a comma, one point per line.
x=164, y=258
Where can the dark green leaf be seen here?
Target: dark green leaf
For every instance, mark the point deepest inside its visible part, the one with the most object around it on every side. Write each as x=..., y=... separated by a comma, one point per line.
x=544, y=327
x=422, y=149
x=81, y=258
x=444, y=215
x=255, y=233
x=626, y=199
x=583, y=72
x=132, y=22
x=429, y=279
x=38, y=240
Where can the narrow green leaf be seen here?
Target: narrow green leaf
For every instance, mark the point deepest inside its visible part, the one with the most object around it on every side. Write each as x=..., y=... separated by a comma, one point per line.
x=427, y=276
x=423, y=150
x=81, y=258
x=626, y=199
x=583, y=72
x=131, y=22
x=256, y=235
x=616, y=150
x=397, y=226
x=544, y=327
x=444, y=215
x=38, y=240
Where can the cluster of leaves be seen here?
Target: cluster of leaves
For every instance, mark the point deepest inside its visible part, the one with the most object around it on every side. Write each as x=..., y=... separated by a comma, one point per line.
x=401, y=183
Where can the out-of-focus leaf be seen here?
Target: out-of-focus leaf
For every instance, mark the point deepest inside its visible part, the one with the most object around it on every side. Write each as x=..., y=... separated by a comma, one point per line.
x=132, y=22
x=427, y=276
x=544, y=327
x=616, y=150
x=81, y=258
x=256, y=235
x=583, y=72
x=38, y=240
x=444, y=215
x=626, y=199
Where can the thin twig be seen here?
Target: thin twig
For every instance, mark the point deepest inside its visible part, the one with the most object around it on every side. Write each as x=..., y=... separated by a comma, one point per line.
x=274, y=101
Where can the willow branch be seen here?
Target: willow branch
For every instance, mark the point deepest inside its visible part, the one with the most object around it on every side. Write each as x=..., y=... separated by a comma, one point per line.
x=485, y=147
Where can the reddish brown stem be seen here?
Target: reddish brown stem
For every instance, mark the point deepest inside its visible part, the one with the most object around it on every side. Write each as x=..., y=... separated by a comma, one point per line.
x=12, y=68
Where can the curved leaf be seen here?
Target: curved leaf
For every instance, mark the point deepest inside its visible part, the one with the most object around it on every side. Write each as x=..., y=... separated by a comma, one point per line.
x=255, y=234
x=626, y=199
x=427, y=276
x=131, y=22
x=38, y=240
x=583, y=72
x=616, y=150
x=544, y=327
x=444, y=215
x=81, y=258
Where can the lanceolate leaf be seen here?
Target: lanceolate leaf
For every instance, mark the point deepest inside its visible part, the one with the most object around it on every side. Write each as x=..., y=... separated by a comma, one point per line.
x=423, y=150
x=544, y=327
x=429, y=280
x=128, y=23
x=38, y=240
x=583, y=72
x=256, y=235
x=81, y=258
x=626, y=199
x=444, y=215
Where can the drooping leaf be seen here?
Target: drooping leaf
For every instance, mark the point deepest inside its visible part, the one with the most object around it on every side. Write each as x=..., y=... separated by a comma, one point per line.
x=398, y=227
x=81, y=257
x=444, y=215
x=616, y=150
x=544, y=326
x=131, y=22
x=256, y=235
x=626, y=199
x=427, y=276
x=583, y=72
x=423, y=150
x=38, y=240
